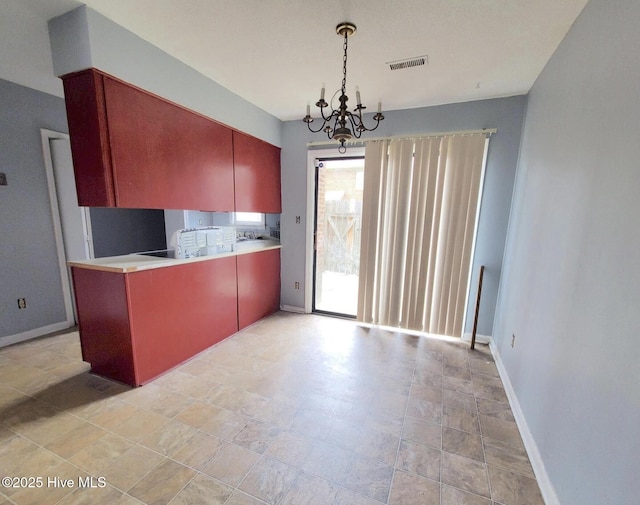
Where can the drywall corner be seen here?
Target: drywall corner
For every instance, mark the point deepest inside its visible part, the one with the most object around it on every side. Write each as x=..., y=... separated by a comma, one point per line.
x=70, y=42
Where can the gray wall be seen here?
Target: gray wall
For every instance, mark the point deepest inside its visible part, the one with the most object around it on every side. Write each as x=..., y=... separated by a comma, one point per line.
x=505, y=114
x=571, y=283
x=83, y=38
x=28, y=256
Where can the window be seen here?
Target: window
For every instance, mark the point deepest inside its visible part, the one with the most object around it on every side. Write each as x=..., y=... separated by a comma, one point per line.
x=253, y=219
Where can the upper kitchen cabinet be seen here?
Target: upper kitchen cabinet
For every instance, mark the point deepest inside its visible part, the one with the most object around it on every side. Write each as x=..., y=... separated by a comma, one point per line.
x=257, y=173
x=133, y=149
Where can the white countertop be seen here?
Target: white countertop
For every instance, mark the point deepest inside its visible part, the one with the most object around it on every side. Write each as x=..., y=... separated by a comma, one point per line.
x=138, y=262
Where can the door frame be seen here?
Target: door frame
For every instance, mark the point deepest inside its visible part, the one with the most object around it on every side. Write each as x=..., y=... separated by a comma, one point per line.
x=46, y=136
x=312, y=156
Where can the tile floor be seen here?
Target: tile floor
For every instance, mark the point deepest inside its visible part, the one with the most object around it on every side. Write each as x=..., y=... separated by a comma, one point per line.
x=294, y=410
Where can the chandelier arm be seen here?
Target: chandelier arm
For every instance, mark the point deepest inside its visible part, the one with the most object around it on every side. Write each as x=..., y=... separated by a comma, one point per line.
x=318, y=130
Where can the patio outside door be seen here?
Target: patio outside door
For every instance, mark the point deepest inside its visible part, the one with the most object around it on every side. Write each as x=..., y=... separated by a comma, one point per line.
x=338, y=217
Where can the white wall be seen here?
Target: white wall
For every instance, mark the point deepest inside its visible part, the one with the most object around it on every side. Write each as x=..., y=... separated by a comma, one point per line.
x=571, y=283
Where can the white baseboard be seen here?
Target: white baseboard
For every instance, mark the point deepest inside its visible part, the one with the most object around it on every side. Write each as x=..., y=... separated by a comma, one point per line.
x=292, y=308
x=37, y=332
x=480, y=339
x=546, y=487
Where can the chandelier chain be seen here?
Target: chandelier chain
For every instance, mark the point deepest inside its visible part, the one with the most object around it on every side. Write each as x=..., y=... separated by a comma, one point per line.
x=344, y=65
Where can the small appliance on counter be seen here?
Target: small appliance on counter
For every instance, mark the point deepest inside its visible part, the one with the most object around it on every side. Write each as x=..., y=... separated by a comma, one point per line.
x=204, y=241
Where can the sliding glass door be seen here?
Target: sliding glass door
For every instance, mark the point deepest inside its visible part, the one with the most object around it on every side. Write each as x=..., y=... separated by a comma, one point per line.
x=338, y=217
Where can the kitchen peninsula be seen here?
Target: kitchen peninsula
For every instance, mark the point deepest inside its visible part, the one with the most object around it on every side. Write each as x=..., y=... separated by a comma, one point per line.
x=140, y=316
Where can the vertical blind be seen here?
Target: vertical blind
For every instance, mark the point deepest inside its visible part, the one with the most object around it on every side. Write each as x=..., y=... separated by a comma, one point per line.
x=418, y=221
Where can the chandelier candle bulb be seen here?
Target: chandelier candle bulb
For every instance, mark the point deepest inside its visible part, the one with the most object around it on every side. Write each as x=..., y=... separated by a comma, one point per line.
x=358, y=97
x=379, y=107
x=322, y=92
x=308, y=110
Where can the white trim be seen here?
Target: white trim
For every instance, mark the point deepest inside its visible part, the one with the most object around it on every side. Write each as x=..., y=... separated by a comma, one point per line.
x=546, y=487
x=46, y=135
x=312, y=155
x=37, y=332
x=292, y=308
x=480, y=339
x=360, y=141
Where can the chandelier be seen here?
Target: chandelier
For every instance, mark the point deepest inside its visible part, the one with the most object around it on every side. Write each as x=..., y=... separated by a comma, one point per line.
x=342, y=124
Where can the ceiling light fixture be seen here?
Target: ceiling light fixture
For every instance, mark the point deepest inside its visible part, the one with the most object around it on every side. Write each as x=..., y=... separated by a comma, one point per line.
x=342, y=124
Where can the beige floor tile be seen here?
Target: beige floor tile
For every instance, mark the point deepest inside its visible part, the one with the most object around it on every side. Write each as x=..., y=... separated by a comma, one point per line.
x=48, y=428
x=327, y=461
x=427, y=411
x=348, y=497
x=454, y=384
x=269, y=480
x=130, y=467
x=499, y=429
x=410, y=489
x=419, y=459
x=378, y=445
x=161, y=400
x=310, y=490
x=169, y=438
x=290, y=448
x=460, y=401
x=197, y=451
x=256, y=436
x=93, y=496
x=231, y=464
x=460, y=420
x=331, y=406
x=240, y=498
x=163, y=482
x=369, y=477
x=465, y=473
x=424, y=432
x=100, y=454
x=71, y=443
x=453, y=496
x=424, y=392
x=507, y=457
x=509, y=488
x=495, y=409
x=203, y=489
x=457, y=372
x=462, y=443
x=140, y=425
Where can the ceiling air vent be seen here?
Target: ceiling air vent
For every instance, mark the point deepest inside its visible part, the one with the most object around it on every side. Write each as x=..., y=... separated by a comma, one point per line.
x=416, y=61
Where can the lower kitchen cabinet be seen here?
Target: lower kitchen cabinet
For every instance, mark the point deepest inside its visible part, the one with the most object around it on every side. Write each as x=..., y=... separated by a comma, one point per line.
x=135, y=326
x=258, y=285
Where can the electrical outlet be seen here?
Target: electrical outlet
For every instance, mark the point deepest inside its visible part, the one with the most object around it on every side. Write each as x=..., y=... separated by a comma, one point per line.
x=296, y=285
x=513, y=340
x=22, y=303
x=297, y=219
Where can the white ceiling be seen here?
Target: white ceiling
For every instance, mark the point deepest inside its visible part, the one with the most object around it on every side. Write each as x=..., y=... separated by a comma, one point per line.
x=277, y=53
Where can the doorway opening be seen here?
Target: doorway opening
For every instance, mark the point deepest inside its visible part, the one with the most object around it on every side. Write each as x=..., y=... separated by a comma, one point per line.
x=339, y=183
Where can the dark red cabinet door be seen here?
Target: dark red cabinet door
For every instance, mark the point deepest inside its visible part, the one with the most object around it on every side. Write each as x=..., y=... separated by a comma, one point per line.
x=257, y=175
x=164, y=156
x=87, y=120
x=258, y=286
x=178, y=311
